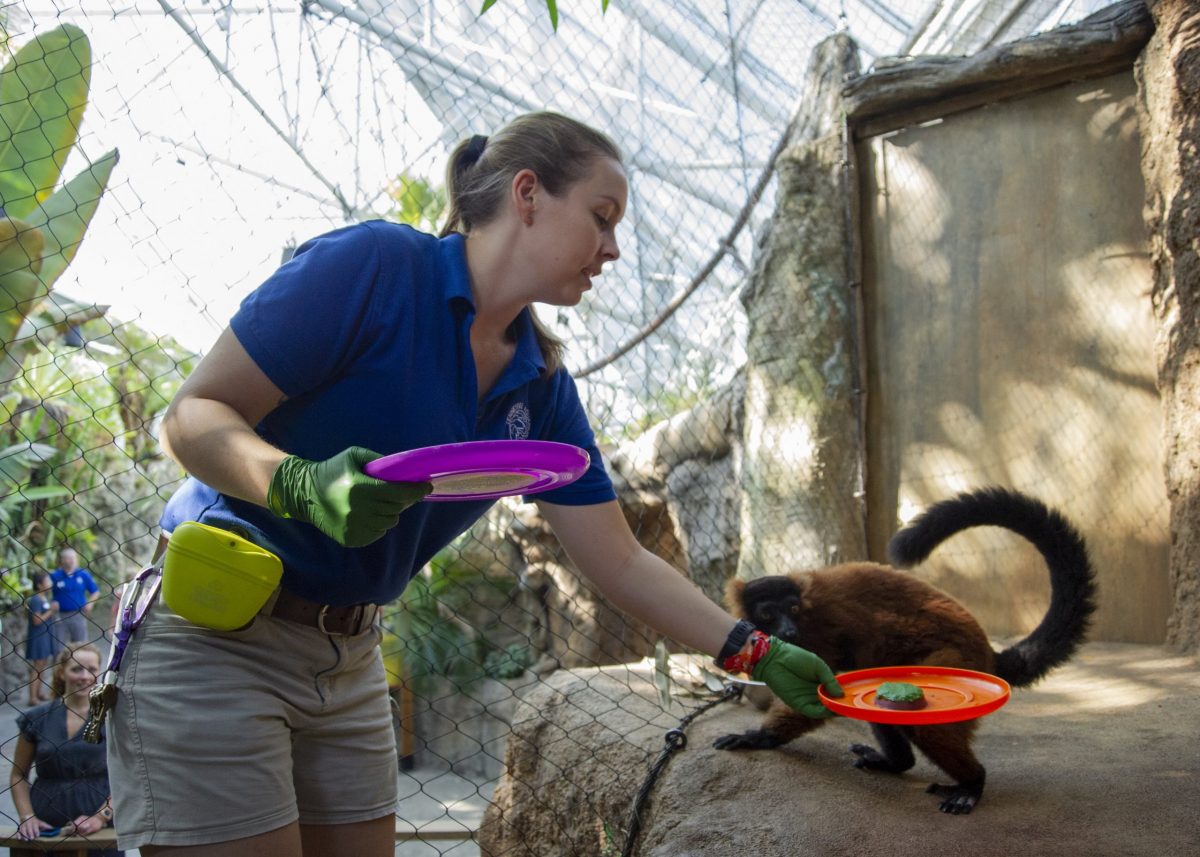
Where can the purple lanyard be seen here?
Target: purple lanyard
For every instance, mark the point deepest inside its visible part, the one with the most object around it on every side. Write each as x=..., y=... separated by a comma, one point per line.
x=135, y=604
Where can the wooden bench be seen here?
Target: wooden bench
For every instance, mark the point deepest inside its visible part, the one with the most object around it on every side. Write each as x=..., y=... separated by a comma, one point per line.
x=442, y=829
x=78, y=846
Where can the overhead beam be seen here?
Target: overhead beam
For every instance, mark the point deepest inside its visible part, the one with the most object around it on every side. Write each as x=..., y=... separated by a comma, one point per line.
x=910, y=93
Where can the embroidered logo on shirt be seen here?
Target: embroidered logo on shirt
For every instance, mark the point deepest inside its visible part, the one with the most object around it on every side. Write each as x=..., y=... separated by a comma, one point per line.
x=519, y=421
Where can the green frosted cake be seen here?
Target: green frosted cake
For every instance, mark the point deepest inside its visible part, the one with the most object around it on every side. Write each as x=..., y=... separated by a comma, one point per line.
x=900, y=696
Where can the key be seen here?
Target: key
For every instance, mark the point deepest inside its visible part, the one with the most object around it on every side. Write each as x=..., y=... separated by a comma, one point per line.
x=101, y=700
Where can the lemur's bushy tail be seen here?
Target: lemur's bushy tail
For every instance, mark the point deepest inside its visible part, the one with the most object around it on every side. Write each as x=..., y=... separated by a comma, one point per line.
x=1072, y=581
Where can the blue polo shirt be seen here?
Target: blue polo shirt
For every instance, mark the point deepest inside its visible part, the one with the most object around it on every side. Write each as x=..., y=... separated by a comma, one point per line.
x=367, y=331
x=71, y=590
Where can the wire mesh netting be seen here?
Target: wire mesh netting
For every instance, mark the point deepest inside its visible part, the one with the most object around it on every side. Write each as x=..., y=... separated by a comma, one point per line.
x=158, y=160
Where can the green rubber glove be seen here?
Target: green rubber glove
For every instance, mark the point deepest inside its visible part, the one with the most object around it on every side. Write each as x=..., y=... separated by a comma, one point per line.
x=794, y=674
x=337, y=498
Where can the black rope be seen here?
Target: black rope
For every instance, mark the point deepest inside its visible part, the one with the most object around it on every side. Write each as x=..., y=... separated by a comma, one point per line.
x=675, y=739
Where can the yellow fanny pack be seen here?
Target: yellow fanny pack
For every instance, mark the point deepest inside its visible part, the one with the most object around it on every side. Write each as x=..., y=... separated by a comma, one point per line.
x=215, y=578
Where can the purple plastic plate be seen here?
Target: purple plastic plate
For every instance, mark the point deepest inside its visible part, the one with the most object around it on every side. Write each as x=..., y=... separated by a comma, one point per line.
x=485, y=469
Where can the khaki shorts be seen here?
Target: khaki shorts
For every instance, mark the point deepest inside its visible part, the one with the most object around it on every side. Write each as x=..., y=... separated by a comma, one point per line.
x=223, y=735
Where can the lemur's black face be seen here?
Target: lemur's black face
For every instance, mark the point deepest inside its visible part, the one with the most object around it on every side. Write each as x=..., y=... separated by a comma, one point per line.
x=773, y=605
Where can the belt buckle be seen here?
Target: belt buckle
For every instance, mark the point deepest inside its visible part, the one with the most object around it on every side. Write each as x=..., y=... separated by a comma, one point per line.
x=359, y=624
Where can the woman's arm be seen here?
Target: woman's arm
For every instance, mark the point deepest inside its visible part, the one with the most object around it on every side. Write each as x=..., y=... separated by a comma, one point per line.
x=86, y=825
x=18, y=781
x=209, y=427
x=601, y=545
x=44, y=616
x=604, y=549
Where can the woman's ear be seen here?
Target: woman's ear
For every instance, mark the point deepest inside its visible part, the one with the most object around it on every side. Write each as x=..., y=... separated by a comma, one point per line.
x=525, y=188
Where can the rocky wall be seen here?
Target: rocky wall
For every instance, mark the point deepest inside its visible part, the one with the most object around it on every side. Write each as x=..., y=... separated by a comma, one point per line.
x=1168, y=75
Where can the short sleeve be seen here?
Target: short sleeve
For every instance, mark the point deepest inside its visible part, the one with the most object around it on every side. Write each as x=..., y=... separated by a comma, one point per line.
x=89, y=583
x=308, y=318
x=29, y=723
x=570, y=425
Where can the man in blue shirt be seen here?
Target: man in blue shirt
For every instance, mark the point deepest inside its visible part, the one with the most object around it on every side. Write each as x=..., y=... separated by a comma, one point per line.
x=76, y=591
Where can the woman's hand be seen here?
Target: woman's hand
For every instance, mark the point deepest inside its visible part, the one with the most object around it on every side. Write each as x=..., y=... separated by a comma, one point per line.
x=794, y=674
x=86, y=825
x=31, y=827
x=339, y=499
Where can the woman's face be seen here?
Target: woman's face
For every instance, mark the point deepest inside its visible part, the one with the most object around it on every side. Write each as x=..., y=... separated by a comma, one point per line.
x=79, y=672
x=44, y=584
x=575, y=233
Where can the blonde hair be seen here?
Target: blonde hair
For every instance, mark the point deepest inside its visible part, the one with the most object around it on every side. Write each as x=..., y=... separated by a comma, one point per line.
x=558, y=149
x=58, y=679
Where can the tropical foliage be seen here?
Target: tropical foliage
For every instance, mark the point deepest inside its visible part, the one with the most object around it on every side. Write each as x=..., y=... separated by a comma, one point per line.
x=427, y=638
x=69, y=415
x=416, y=202
x=77, y=438
x=551, y=10
x=43, y=94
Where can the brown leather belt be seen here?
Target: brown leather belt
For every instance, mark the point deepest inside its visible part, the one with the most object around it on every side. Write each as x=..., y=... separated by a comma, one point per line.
x=346, y=621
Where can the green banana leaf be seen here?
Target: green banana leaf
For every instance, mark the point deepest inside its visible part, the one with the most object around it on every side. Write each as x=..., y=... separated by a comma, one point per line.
x=28, y=271
x=58, y=313
x=14, y=306
x=21, y=248
x=63, y=312
x=16, y=464
x=65, y=215
x=43, y=93
x=18, y=459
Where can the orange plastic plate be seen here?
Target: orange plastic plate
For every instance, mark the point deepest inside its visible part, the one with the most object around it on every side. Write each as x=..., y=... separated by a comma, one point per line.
x=952, y=695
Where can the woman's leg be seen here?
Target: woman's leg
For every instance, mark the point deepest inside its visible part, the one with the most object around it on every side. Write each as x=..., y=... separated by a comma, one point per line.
x=199, y=745
x=362, y=839
x=366, y=838
x=344, y=755
x=35, y=681
x=45, y=693
x=284, y=842
x=238, y=736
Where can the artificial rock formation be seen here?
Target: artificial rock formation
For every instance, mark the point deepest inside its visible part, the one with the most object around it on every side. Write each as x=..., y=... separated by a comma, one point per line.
x=801, y=442
x=1168, y=75
x=1063, y=767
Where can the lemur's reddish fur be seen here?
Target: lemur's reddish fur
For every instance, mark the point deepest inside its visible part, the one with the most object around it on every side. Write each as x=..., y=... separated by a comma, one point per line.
x=862, y=615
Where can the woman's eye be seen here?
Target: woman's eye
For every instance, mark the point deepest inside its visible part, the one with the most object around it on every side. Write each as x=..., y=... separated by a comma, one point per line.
x=602, y=221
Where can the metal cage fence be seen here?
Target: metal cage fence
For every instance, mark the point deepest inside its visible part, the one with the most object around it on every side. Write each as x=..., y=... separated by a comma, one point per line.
x=244, y=129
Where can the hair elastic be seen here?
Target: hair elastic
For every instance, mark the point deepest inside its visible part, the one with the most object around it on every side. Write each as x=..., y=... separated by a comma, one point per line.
x=474, y=150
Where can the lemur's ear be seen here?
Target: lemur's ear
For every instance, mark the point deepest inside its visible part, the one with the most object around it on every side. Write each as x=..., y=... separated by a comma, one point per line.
x=803, y=588
x=733, y=595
